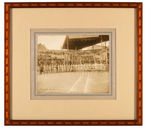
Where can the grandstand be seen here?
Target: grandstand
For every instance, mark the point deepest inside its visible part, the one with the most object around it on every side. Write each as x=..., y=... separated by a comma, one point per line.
x=77, y=53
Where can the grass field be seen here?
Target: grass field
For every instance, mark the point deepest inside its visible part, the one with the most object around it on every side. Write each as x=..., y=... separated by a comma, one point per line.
x=73, y=83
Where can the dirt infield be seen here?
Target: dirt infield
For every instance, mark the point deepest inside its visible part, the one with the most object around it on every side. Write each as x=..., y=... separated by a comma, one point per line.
x=73, y=83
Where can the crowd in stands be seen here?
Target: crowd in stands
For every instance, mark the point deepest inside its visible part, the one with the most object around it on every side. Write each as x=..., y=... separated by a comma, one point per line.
x=72, y=61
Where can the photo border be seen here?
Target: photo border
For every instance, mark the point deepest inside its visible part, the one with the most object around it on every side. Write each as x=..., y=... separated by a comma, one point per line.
x=112, y=75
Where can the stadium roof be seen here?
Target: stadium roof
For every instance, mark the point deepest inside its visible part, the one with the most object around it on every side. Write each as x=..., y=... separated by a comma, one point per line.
x=76, y=42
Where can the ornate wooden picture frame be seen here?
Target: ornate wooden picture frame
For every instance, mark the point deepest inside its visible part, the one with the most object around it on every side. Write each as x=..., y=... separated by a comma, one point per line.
x=67, y=122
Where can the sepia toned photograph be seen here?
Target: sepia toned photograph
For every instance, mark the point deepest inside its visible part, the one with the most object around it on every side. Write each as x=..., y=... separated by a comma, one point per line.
x=73, y=64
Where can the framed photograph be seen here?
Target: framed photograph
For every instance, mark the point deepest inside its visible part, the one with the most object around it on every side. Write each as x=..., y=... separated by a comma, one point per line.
x=83, y=59
x=62, y=57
